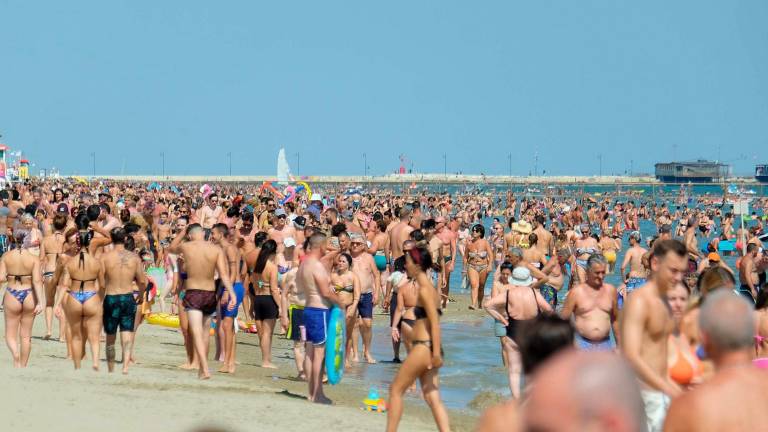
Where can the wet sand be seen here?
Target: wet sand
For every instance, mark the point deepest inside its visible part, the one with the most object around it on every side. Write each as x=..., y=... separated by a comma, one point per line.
x=49, y=395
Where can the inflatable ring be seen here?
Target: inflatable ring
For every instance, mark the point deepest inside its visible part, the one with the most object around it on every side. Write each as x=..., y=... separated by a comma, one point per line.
x=334, y=355
x=163, y=319
x=306, y=188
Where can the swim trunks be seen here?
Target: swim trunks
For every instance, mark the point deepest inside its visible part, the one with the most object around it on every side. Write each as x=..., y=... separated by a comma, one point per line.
x=632, y=284
x=585, y=344
x=119, y=312
x=381, y=261
x=316, y=324
x=746, y=292
x=239, y=293
x=295, y=323
x=200, y=300
x=365, y=305
x=656, y=406
x=550, y=294
x=264, y=307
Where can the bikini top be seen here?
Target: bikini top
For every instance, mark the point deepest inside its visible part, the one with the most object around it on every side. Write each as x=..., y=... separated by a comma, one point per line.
x=480, y=254
x=17, y=278
x=346, y=288
x=421, y=313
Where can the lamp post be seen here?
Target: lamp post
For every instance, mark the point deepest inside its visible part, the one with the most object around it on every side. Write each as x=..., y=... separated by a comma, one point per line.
x=93, y=157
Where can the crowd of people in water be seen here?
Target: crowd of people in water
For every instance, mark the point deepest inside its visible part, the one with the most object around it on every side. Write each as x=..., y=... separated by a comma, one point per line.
x=681, y=343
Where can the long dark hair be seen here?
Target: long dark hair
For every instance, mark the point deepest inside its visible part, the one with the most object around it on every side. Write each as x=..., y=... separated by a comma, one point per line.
x=84, y=235
x=268, y=249
x=421, y=256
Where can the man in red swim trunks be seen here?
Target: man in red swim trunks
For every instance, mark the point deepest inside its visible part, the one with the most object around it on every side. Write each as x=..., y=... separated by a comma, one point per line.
x=202, y=260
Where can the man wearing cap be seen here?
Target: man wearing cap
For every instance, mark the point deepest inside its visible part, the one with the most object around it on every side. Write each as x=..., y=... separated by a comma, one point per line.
x=364, y=267
x=594, y=306
x=519, y=303
x=637, y=272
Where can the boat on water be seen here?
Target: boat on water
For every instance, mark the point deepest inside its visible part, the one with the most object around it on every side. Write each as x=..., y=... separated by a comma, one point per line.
x=761, y=173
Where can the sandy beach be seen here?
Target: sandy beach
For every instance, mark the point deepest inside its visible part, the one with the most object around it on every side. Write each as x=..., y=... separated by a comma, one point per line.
x=157, y=396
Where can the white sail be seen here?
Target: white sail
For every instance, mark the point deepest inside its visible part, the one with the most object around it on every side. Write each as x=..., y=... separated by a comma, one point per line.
x=283, y=170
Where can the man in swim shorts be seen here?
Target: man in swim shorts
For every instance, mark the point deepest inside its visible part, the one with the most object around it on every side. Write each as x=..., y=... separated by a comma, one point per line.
x=637, y=272
x=364, y=267
x=313, y=282
x=646, y=326
x=593, y=304
x=293, y=321
x=748, y=280
x=734, y=399
x=226, y=318
x=201, y=261
x=122, y=268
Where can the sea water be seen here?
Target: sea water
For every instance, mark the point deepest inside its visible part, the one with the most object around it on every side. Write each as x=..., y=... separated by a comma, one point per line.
x=472, y=359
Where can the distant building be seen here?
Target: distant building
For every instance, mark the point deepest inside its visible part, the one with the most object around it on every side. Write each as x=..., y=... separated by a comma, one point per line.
x=700, y=171
x=761, y=173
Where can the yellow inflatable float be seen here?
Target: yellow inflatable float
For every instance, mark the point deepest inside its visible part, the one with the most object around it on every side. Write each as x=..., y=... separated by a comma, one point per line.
x=163, y=319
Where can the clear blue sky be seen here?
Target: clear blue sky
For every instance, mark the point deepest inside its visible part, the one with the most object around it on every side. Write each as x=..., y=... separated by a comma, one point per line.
x=639, y=81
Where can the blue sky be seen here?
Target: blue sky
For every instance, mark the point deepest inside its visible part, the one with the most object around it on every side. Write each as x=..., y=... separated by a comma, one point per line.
x=635, y=82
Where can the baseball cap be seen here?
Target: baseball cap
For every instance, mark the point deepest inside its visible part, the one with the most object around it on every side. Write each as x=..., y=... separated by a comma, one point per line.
x=713, y=256
x=280, y=212
x=62, y=208
x=289, y=242
x=300, y=222
x=316, y=197
x=521, y=276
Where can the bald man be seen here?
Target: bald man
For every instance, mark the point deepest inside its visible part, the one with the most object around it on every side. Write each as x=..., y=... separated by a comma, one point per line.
x=503, y=417
x=734, y=399
x=578, y=391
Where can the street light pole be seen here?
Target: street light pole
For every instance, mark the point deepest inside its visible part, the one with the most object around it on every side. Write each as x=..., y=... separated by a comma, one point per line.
x=229, y=155
x=365, y=163
x=93, y=156
x=600, y=164
x=298, y=163
x=162, y=157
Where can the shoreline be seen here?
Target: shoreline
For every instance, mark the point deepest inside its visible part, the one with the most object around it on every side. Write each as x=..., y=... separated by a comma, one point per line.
x=158, y=395
x=396, y=179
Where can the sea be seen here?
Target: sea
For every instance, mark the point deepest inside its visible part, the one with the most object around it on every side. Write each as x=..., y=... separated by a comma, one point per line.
x=473, y=371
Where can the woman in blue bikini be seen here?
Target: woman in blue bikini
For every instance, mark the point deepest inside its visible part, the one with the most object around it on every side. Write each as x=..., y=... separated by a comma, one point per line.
x=83, y=307
x=21, y=270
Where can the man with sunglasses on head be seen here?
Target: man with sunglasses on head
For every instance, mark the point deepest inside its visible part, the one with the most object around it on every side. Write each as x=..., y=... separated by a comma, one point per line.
x=265, y=218
x=209, y=214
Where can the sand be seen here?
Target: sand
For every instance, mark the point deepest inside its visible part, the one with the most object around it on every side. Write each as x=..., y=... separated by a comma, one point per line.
x=50, y=395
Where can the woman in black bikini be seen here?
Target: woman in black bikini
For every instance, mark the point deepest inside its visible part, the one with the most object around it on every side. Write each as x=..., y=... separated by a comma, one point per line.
x=426, y=358
x=266, y=298
x=21, y=270
x=521, y=302
x=83, y=306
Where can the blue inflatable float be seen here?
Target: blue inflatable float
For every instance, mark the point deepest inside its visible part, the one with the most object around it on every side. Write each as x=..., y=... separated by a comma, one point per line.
x=335, y=346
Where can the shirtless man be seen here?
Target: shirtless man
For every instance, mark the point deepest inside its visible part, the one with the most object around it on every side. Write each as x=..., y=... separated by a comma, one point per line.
x=312, y=281
x=734, y=399
x=209, y=214
x=364, y=267
x=556, y=270
x=646, y=326
x=121, y=269
x=435, y=246
x=544, y=243
x=201, y=260
x=593, y=303
x=280, y=233
x=748, y=279
x=53, y=246
x=294, y=302
x=637, y=273
x=400, y=233
x=692, y=245
x=225, y=316
x=449, y=251
x=162, y=231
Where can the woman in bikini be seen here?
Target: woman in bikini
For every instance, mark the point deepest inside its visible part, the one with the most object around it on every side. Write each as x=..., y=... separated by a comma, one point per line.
x=682, y=363
x=477, y=265
x=499, y=244
x=53, y=246
x=761, y=335
x=23, y=300
x=250, y=256
x=426, y=356
x=266, y=298
x=83, y=306
x=347, y=287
